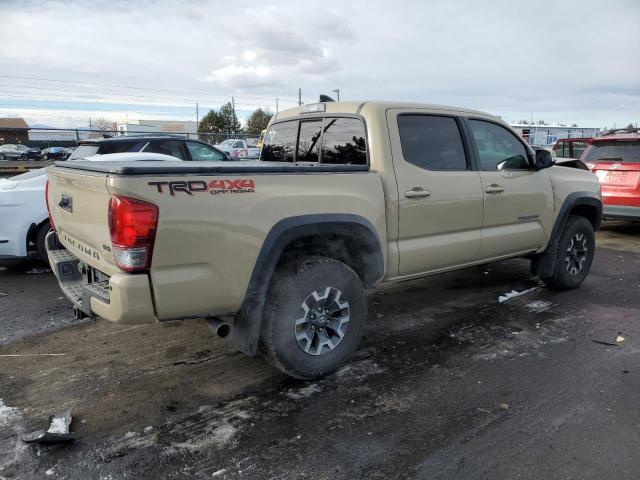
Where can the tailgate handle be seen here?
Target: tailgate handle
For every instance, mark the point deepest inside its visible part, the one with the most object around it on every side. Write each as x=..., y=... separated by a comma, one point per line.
x=66, y=203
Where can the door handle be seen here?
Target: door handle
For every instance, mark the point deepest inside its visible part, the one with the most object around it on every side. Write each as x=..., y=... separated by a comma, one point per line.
x=417, y=192
x=494, y=188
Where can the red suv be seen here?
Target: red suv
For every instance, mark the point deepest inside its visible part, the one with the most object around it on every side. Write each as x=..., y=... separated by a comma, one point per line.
x=615, y=159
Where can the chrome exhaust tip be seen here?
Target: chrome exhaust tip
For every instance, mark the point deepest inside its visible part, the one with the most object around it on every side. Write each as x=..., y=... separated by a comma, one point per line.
x=219, y=327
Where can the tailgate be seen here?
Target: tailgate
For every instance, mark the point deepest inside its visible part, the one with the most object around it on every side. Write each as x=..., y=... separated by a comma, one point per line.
x=618, y=174
x=79, y=203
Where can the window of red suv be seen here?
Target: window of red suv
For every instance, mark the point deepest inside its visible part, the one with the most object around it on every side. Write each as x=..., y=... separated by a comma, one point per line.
x=613, y=151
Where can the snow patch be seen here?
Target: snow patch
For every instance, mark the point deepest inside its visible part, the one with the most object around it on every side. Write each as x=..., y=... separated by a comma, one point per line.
x=514, y=293
x=539, y=306
x=60, y=425
x=299, y=393
x=13, y=450
x=8, y=415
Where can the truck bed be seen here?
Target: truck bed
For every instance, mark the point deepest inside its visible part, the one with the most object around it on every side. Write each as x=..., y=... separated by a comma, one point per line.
x=180, y=168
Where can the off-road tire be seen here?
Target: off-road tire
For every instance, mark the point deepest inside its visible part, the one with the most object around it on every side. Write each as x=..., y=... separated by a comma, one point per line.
x=39, y=240
x=293, y=285
x=576, y=228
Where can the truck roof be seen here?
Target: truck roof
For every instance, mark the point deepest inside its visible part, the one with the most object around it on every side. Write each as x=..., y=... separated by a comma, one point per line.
x=356, y=107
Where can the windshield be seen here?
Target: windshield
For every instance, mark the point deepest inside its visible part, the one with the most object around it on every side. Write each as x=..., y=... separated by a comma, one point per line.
x=229, y=143
x=84, y=151
x=614, y=151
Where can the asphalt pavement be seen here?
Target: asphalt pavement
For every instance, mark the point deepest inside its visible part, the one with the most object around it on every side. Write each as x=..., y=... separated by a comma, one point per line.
x=449, y=382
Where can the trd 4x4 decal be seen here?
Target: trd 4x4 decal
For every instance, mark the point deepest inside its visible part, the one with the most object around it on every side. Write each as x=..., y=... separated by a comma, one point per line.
x=214, y=187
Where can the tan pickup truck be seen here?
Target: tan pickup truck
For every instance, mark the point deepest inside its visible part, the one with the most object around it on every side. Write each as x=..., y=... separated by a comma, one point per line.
x=345, y=195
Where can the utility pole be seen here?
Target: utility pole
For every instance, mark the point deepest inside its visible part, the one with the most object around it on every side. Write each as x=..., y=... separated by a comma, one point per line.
x=276, y=104
x=197, y=118
x=337, y=92
x=299, y=96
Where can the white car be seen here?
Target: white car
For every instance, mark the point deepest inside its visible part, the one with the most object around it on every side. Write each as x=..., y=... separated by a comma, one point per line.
x=238, y=148
x=24, y=221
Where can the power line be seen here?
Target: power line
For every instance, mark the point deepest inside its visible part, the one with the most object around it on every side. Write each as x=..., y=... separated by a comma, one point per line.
x=126, y=86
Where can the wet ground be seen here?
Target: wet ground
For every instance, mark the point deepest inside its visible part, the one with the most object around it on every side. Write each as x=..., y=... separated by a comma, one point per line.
x=448, y=383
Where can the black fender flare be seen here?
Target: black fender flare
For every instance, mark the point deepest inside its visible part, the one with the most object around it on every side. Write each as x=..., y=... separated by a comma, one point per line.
x=248, y=319
x=544, y=263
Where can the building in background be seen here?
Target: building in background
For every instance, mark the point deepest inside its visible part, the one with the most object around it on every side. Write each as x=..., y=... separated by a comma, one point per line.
x=546, y=135
x=13, y=130
x=151, y=126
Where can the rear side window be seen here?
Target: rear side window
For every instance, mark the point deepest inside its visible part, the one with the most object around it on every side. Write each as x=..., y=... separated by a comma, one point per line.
x=84, y=151
x=166, y=147
x=343, y=141
x=280, y=142
x=432, y=142
x=615, y=151
x=561, y=149
x=121, y=146
x=578, y=149
x=204, y=153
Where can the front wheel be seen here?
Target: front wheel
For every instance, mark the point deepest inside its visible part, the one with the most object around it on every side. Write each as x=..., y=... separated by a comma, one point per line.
x=314, y=317
x=574, y=255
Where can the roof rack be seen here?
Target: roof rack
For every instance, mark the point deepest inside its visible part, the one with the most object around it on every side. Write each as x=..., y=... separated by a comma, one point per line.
x=621, y=130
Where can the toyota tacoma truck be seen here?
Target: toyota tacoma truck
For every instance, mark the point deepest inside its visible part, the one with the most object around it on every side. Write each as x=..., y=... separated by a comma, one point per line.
x=345, y=195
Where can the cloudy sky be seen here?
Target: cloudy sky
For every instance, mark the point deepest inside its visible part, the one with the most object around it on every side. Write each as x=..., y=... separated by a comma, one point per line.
x=62, y=62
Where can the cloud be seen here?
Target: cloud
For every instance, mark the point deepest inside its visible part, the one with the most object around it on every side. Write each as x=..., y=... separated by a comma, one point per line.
x=562, y=61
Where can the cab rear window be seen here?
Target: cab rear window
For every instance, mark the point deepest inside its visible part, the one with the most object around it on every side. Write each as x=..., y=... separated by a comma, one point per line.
x=333, y=140
x=615, y=151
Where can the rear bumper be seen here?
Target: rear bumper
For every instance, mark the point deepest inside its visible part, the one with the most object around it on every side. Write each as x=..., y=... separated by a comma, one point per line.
x=621, y=212
x=121, y=298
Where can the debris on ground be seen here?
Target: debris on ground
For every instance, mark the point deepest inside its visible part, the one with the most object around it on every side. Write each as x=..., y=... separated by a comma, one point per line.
x=604, y=342
x=514, y=293
x=3, y=294
x=57, y=432
x=619, y=339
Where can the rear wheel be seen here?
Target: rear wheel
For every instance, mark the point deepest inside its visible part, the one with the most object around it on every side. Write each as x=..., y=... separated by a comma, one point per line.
x=2, y=156
x=574, y=255
x=40, y=241
x=314, y=316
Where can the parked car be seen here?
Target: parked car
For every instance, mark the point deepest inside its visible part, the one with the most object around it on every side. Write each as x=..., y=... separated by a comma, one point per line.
x=237, y=148
x=56, y=153
x=179, y=147
x=13, y=152
x=571, y=147
x=346, y=195
x=24, y=221
x=615, y=159
x=19, y=152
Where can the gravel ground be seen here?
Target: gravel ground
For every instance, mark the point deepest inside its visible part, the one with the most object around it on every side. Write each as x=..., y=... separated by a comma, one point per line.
x=448, y=383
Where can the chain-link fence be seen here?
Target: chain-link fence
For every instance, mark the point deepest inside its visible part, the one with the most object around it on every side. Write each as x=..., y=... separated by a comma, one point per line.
x=58, y=143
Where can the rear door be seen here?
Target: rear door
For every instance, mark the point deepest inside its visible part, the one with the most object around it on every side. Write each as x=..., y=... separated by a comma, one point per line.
x=518, y=200
x=441, y=201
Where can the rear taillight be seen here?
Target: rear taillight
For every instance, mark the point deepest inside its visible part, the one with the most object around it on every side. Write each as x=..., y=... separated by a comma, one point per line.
x=132, y=224
x=46, y=198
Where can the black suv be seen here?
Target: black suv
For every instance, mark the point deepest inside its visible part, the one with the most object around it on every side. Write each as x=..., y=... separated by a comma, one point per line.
x=188, y=150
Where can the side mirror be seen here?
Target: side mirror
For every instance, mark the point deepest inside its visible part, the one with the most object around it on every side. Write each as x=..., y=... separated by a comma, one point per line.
x=543, y=159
